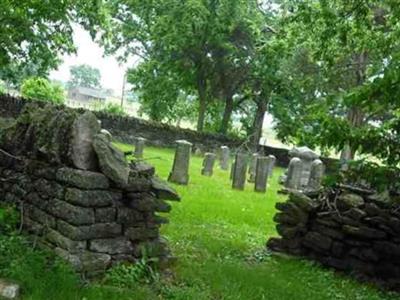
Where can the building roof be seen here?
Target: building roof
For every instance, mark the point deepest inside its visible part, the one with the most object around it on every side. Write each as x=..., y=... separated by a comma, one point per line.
x=92, y=92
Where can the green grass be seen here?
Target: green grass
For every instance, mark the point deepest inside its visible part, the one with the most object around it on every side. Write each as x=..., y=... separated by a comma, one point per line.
x=218, y=236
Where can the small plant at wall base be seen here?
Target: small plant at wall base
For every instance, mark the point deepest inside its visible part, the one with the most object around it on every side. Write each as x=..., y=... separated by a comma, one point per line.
x=37, y=88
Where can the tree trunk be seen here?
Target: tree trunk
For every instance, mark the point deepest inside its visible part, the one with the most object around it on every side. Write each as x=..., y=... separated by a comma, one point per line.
x=355, y=115
x=202, y=114
x=202, y=92
x=258, y=125
x=227, y=115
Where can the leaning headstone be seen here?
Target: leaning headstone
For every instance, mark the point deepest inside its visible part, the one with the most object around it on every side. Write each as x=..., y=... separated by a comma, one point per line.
x=139, y=147
x=9, y=290
x=208, y=164
x=84, y=128
x=239, y=171
x=293, y=179
x=224, y=160
x=307, y=156
x=271, y=165
x=180, y=169
x=316, y=175
x=252, y=167
x=262, y=170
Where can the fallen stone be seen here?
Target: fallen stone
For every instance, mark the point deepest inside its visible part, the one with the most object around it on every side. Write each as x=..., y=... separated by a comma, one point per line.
x=111, y=160
x=84, y=128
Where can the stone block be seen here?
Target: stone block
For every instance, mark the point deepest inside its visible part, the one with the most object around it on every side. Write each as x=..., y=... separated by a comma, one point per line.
x=141, y=233
x=96, y=231
x=48, y=189
x=120, y=245
x=163, y=190
x=138, y=184
x=129, y=216
x=9, y=290
x=105, y=215
x=82, y=179
x=39, y=216
x=86, y=261
x=317, y=241
x=349, y=200
x=364, y=232
x=63, y=242
x=92, y=198
x=70, y=213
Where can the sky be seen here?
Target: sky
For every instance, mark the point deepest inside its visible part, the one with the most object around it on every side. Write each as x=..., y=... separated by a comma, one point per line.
x=88, y=52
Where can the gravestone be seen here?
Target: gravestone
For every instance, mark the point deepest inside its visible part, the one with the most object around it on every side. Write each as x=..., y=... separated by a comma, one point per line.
x=307, y=156
x=232, y=170
x=252, y=167
x=139, y=147
x=271, y=165
x=180, y=168
x=239, y=171
x=208, y=164
x=295, y=171
x=316, y=175
x=224, y=159
x=262, y=170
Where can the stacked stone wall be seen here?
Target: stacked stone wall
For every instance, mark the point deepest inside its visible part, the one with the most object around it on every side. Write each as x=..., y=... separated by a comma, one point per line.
x=349, y=229
x=92, y=218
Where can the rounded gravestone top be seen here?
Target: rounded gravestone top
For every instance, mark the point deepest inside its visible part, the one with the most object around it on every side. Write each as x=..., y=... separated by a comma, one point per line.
x=303, y=153
x=184, y=142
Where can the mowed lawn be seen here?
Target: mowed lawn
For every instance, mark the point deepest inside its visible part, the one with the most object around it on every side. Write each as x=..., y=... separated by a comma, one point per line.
x=219, y=236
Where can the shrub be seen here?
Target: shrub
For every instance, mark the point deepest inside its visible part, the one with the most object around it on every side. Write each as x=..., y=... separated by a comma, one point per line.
x=38, y=88
x=9, y=219
x=114, y=109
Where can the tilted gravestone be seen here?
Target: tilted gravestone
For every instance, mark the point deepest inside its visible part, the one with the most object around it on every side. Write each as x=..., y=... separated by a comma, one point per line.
x=252, y=167
x=316, y=175
x=180, y=168
x=262, y=170
x=139, y=147
x=293, y=179
x=239, y=171
x=208, y=164
x=224, y=159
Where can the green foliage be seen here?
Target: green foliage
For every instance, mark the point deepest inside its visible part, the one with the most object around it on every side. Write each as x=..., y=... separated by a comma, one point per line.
x=85, y=76
x=37, y=88
x=129, y=275
x=38, y=32
x=9, y=218
x=114, y=109
x=2, y=88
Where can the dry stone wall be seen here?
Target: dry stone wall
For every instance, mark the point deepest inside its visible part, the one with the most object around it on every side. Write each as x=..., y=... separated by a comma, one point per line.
x=93, y=215
x=349, y=229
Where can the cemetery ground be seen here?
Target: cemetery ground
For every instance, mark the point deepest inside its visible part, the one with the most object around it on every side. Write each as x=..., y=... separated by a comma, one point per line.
x=218, y=236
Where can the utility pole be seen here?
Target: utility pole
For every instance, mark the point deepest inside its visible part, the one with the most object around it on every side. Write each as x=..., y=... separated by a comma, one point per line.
x=123, y=90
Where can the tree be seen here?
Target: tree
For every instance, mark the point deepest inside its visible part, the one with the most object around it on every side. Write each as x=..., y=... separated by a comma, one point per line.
x=342, y=81
x=38, y=32
x=85, y=76
x=41, y=89
x=205, y=45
